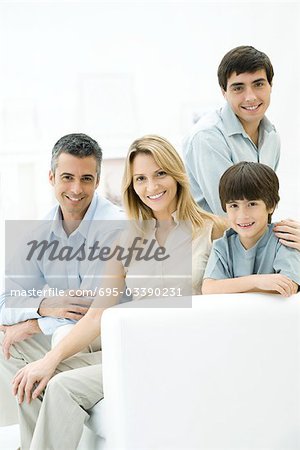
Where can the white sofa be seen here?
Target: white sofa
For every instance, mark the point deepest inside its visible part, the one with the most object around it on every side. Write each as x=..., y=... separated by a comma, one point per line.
x=224, y=374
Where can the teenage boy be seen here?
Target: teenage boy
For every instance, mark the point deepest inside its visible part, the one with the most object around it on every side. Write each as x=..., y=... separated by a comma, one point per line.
x=249, y=257
x=237, y=132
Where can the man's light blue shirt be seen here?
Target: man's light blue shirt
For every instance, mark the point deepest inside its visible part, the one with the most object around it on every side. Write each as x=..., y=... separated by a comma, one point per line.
x=62, y=275
x=229, y=259
x=217, y=141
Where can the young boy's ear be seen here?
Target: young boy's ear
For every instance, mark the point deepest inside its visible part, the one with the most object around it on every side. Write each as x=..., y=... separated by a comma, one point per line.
x=271, y=210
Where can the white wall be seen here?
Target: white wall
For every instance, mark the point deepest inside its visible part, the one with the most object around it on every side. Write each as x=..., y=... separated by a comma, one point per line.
x=117, y=70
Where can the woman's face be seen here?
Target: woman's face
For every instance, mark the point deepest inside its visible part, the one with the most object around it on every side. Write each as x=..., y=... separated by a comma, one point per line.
x=154, y=186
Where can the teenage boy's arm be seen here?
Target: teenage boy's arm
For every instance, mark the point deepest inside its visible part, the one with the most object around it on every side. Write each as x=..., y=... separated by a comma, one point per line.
x=207, y=156
x=272, y=283
x=288, y=233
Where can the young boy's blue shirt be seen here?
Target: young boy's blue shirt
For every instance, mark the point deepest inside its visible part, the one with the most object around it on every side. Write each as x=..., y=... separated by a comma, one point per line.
x=229, y=259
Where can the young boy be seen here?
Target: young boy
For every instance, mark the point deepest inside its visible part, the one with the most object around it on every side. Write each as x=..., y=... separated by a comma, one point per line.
x=249, y=257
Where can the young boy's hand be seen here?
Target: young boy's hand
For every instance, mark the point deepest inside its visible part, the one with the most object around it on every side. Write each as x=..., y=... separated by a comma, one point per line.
x=276, y=282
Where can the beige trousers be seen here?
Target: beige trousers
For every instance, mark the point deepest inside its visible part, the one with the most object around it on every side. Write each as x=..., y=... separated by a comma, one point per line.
x=55, y=420
x=22, y=354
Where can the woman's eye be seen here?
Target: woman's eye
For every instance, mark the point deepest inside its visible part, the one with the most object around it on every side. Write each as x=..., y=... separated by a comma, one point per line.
x=252, y=204
x=139, y=178
x=161, y=173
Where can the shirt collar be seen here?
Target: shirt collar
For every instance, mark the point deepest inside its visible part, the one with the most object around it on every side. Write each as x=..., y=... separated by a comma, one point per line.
x=233, y=125
x=153, y=222
x=261, y=241
x=57, y=228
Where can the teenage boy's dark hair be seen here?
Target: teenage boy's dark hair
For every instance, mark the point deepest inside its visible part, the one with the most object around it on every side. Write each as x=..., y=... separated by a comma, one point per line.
x=79, y=145
x=249, y=181
x=243, y=59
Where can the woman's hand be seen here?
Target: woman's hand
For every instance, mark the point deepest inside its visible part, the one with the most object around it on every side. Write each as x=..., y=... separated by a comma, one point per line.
x=288, y=233
x=32, y=379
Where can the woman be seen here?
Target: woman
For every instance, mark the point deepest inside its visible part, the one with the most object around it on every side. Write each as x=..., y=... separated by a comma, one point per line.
x=157, y=199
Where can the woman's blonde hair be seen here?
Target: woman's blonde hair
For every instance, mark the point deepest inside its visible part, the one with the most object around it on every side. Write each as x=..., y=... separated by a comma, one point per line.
x=167, y=158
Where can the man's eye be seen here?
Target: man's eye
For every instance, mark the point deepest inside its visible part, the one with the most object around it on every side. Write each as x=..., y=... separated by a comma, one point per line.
x=237, y=88
x=67, y=178
x=259, y=84
x=87, y=179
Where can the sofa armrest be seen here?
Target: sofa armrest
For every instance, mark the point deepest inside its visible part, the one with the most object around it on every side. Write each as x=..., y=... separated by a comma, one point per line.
x=223, y=374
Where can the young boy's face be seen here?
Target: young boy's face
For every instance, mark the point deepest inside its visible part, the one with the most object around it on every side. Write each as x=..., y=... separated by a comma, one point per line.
x=248, y=95
x=249, y=218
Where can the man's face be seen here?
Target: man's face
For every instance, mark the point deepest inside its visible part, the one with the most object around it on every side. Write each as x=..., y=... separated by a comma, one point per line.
x=74, y=181
x=248, y=95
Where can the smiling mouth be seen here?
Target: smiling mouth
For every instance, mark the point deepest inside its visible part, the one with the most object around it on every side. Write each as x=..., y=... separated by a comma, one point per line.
x=73, y=199
x=156, y=196
x=245, y=225
x=251, y=107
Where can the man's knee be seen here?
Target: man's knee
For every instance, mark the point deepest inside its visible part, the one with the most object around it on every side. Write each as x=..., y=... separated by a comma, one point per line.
x=2, y=335
x=14, y=349
x=61, y=389
x=56, y=380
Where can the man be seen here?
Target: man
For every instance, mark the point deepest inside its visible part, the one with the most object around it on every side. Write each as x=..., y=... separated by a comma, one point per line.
x=237, y=132
x=73, y=223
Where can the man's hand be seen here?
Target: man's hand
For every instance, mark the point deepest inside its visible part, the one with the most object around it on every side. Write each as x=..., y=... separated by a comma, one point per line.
x=18, y=333
x=288, y=233
x=65, y=307
x=276, y=282
x=32, y=379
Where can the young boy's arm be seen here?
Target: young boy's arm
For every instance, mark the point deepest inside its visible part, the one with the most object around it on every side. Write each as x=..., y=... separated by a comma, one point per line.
x=219, y=274
x=273, y=283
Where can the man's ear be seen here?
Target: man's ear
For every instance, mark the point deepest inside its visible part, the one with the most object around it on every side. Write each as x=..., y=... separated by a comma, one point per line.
x=51, y=177
x=97, y=182
x=223, y=92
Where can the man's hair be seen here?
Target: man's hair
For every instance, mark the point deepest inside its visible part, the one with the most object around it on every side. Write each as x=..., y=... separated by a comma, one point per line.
x=249, y=181
x=243, y=59
x=79, y=145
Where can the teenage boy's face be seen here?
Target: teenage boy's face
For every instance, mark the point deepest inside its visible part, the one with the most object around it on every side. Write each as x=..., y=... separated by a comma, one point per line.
x=249, y=218
x=248, y=95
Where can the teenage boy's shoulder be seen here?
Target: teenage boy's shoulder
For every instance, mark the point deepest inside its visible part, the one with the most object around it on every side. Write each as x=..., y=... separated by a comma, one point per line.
x=209, y=130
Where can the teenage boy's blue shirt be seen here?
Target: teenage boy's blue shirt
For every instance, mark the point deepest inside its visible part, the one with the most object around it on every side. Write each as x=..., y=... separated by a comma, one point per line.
x=217, y=141
x=229, y=259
